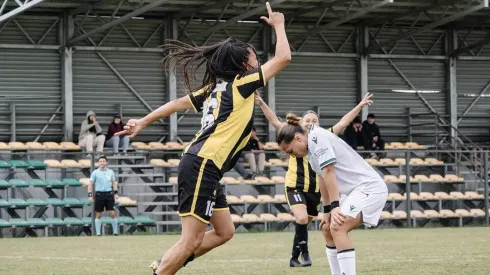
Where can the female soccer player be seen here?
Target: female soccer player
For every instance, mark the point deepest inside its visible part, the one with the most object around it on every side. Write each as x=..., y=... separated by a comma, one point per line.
x=343, y=172
x=302, y=186
x=226, y=98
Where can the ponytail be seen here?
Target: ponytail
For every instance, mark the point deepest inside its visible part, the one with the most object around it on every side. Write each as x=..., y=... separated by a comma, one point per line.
x=287, y=132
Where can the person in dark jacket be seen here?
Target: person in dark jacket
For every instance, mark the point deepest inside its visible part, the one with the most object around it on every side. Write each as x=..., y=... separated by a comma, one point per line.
x=117, y=141
x=373, y=135
x=353, y=134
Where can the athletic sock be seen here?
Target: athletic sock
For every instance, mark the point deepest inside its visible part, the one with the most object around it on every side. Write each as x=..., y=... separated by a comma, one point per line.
x=302, y=232
x=98, y=225
x=332, y=260
x=295, y=251
x=190, y=259
x=347, y=261
x=114, y=226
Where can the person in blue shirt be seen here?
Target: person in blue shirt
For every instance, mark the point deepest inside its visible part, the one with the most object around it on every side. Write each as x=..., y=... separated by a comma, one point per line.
x=104, y=182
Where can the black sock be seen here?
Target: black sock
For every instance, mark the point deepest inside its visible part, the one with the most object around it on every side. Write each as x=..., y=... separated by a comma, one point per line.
x=190, y=259
x=296, y=251
x=302, y=231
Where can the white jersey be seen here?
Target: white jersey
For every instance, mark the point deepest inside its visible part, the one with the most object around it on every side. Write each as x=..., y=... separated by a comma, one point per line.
x=352, y=170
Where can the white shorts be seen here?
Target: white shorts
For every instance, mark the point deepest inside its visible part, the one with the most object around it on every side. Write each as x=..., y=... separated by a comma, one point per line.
x=370, y=204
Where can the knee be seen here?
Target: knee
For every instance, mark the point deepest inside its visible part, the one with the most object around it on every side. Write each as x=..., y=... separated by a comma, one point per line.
x=226, y=234
x=326, y=233
x=336, y=230
x=302, y=219
x=116, y=138
x=192, y=244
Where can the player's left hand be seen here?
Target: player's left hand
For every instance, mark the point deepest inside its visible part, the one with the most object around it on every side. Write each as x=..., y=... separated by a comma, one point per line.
x=258, y=98
x=366, y=101
x=337, y=218
x=116, y=197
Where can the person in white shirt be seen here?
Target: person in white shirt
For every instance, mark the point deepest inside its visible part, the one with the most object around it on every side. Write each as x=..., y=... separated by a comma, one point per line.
x=344, y=173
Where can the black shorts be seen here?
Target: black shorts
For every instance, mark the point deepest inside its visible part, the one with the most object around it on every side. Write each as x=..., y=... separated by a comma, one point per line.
x=104, y=200
x=311, y=200
x=200, y=193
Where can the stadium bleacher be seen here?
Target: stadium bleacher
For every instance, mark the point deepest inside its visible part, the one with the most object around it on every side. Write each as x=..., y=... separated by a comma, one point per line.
x=253, y=203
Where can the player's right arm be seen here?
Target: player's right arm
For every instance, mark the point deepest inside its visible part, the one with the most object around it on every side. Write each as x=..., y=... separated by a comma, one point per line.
x=350, y=116
x=269, y=114
x=282, y=56
x=192, y=101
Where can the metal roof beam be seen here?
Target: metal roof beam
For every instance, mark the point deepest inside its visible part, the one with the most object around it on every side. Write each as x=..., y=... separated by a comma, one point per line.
x=235, y=19
x=411, y=12
x=117, y=21
x=22, y=7
x=468, y=48
x=191, y=11
x=453, y=17
x=340, y=21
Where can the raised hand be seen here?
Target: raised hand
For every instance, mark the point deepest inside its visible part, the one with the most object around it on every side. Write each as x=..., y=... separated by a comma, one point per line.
x=132, y=128
x=275, y=18
x=366, y=101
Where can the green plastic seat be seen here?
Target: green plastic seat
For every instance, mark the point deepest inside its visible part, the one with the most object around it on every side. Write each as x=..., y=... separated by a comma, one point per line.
x=55, y=202
x=4, y=203
x=73, y=221
x=18, y=203
x=36, y=183
x=36, y=164
x=72, y=202
x=54, y=222
x=54, y=183
x=4, y=223
x=85, y=201
x=36, y=202
x=18, y=183
x=18, y=164
x=87, y=220
x=4, y=164
x=5, y=184
x=105, y=220
x=18, y=223
x=36, y=222
x=144, y=220
x=125, y=220
x=71, y=182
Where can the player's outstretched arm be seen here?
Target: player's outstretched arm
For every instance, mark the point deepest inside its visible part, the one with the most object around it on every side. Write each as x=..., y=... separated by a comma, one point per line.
x=269, y=114
x=350, y=116
x=134, y=126
x=283, y=53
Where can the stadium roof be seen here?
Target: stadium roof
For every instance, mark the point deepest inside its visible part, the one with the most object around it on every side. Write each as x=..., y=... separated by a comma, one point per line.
x=415, y=13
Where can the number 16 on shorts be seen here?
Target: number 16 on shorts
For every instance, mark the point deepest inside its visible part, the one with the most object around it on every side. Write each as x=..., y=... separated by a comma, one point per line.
x=209, y=208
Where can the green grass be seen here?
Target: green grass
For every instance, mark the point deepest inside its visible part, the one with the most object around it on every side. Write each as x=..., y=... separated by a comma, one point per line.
x=393, y=251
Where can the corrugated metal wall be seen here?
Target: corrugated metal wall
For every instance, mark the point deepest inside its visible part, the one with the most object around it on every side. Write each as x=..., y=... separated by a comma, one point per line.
x=472, y=78
x=390, y=107
x=248, y=32
x=97, y=87
x=312, y=81
x=30, y=72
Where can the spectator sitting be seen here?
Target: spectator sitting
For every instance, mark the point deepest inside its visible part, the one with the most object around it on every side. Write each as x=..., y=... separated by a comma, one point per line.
x=254, y=154
x=372, y=134
x=242, y=171
x=353, y=135
x=91, y=134
x=117, y=141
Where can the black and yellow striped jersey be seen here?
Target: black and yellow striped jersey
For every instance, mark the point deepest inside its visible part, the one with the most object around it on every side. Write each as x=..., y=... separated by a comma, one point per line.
x=227, y=119
x=301, y=176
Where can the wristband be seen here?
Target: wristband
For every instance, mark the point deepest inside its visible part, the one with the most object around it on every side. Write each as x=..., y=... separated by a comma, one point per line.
x=334, y=204
x=89, y=194
x=115, y=192
x=326, y=209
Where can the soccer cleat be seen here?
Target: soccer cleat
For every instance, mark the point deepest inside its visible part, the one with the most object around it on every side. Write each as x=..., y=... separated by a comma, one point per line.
x=154, y=266
x=294, y=262
x=306, y=259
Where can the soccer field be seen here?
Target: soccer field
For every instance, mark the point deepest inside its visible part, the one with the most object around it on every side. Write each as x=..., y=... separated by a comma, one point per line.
x=397, y=251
